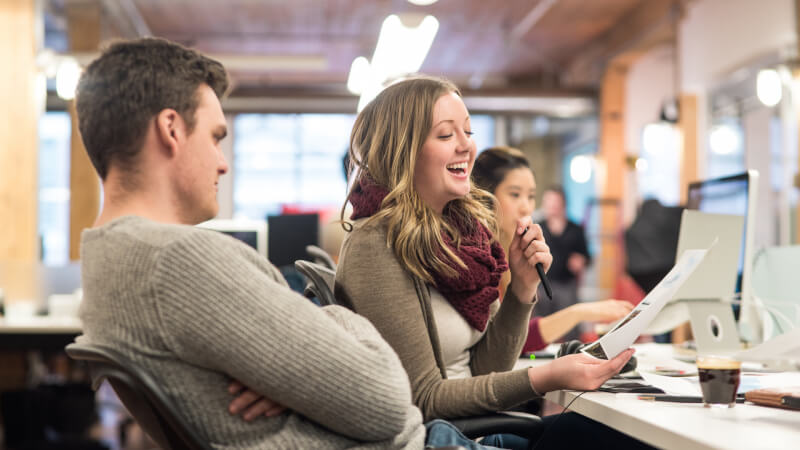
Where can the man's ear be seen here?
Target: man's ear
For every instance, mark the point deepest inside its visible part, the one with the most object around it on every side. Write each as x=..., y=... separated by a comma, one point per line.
x=170, y=130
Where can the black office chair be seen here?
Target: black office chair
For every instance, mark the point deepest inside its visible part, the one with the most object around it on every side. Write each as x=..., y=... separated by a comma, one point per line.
x=521, y=424
x=320, y=256
x=321, y=283
x=143, y=397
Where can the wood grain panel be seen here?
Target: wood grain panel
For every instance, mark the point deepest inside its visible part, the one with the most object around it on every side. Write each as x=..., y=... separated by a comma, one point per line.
x=84, y=25
x=84, y=186
x=688, y=126
x=18, y=137
x=474, y=39
x=612, y=157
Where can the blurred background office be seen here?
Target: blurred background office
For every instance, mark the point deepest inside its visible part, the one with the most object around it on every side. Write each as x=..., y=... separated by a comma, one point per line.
x=618, y=101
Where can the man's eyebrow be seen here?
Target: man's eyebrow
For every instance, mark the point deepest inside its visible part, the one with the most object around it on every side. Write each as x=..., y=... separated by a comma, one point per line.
x=221, y=132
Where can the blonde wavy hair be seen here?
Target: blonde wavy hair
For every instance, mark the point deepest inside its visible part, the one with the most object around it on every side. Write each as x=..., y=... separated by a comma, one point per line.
x=386, y=140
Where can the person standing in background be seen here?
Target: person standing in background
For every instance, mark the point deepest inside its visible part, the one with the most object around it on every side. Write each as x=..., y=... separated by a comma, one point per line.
x=567, y=243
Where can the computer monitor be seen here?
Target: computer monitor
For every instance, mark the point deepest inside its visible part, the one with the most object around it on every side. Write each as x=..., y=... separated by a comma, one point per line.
x=735, y=194
x=714, y=279
x=289, y=234
x=251, y=232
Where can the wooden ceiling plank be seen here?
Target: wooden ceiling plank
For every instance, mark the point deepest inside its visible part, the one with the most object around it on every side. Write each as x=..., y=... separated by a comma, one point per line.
x=649, y=24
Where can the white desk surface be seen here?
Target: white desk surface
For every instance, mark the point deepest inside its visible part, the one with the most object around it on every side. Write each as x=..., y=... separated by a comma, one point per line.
x=684, y=425
x=40, y=325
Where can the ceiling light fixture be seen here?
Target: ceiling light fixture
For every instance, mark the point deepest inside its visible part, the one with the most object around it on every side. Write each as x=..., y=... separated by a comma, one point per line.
x=422, y=2
x=724, y=139
x=359, y=75
x=400, y=51
x=768, y=87
x=580, y=169
x=67, y=78
x=659, y=138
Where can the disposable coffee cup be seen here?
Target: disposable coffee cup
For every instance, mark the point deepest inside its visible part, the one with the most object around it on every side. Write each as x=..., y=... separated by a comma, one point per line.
x=719, y=380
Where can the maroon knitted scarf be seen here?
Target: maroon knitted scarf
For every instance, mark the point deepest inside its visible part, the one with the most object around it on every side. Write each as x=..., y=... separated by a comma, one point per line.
x=473, y=290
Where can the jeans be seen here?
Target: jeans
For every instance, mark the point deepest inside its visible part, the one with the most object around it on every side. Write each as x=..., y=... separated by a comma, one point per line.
x=507, y=441
x=567, y=431
x=440, y=433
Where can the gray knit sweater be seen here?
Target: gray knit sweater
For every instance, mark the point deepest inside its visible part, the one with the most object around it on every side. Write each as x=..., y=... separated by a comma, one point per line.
x=196, y=309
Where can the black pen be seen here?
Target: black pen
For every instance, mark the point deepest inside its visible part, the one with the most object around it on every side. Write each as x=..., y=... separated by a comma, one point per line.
x=790, y=401
x=540, y=271
x=679, y=398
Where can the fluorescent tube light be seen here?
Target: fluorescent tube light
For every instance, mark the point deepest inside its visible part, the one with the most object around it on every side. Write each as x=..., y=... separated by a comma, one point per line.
x=400, y=51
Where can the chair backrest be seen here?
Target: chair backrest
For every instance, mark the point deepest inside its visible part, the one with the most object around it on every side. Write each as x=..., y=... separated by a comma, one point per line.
x=141, y=395
x=320, y=281
x=320, y=256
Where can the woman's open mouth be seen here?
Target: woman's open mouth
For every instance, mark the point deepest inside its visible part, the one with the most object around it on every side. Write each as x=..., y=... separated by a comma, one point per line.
x=458, y=168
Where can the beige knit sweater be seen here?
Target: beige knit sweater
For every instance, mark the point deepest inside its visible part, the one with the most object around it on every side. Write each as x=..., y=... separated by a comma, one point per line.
x=196, y=309
x=370, y=279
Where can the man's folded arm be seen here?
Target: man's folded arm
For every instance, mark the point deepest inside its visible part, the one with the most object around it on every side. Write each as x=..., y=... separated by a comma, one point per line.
x=229, y=315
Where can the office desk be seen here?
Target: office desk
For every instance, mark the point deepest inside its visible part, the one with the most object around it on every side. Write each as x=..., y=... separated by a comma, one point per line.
x=38, y=332
x=684, y=425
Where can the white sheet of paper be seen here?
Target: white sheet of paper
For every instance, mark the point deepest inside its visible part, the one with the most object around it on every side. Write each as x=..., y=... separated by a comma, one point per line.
x=673, y=385
x=783, y=347
x=625, y=333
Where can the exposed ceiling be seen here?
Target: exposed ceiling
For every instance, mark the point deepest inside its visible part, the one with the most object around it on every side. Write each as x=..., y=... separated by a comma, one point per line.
x=305, y=47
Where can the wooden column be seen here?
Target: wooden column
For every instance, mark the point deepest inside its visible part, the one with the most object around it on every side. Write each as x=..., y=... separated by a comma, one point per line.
x=612, y=177
x=18, y=135
x=19, y=151
x=83, y=29
x=688, y=127
x=796, y=76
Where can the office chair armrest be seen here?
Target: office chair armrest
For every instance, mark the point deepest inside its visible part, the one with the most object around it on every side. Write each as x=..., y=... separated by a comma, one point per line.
x=521, y=424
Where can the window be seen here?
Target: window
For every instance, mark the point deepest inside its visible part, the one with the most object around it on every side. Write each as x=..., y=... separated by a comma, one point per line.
x=296, y=159
x=54, y=163
x=293, y=159
x=726, y=154
x=483, y=127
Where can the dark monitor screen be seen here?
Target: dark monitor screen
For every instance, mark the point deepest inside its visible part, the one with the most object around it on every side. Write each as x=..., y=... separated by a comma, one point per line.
x=248, y=237
x=288, y=236
x=726, y=195
x=251, y=232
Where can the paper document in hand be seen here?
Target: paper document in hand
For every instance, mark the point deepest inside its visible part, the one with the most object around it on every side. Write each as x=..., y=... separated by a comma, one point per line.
x=631, y=326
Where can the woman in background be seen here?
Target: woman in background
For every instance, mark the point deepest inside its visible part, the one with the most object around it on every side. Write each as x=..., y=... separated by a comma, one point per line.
x=506, y=173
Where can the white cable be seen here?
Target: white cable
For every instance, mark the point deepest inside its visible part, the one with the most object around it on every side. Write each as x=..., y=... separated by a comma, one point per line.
x=775, y=313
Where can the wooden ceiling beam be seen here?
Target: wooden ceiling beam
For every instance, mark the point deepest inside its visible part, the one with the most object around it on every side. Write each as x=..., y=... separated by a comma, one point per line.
x=651, y=23
x=126, y=18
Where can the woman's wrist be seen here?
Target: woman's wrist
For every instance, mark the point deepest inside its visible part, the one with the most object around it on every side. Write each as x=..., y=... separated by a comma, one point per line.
x=540, y=379
x=525, y=294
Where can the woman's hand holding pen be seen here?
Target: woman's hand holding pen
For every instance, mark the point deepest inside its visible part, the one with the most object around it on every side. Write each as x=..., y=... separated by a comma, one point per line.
x=527, y=248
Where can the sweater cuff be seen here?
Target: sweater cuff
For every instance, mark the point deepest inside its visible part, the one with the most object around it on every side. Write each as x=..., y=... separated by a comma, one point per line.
x=511, y=298
x=514, y=389
x=535, y=341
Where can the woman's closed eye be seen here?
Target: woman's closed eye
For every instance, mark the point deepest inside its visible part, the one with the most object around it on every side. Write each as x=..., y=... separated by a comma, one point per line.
x=448, y=136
